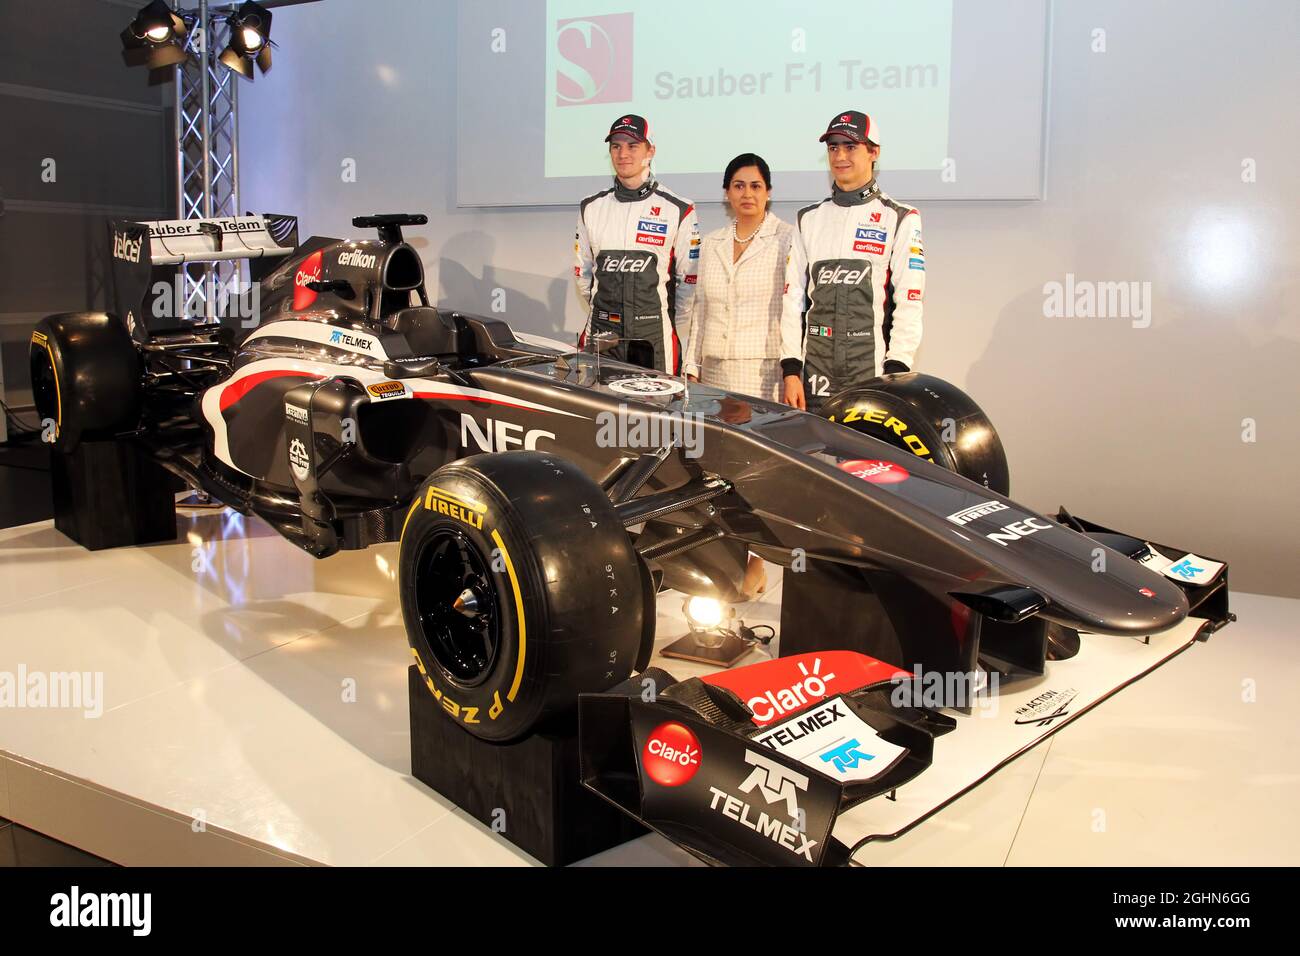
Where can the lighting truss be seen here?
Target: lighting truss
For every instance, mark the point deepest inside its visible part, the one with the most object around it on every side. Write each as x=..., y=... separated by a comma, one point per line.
x=207, y=153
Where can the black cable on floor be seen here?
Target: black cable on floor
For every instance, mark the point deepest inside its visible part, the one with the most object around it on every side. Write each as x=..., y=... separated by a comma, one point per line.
x=19, y=425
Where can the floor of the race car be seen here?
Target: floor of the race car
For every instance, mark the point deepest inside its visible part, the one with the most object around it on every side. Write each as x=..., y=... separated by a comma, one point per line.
x=253, y=709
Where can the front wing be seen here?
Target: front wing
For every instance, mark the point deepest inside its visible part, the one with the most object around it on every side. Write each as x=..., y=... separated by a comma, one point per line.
x=777, y=764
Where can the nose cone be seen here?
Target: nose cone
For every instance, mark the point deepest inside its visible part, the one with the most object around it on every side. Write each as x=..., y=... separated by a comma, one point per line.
x=1132, y=602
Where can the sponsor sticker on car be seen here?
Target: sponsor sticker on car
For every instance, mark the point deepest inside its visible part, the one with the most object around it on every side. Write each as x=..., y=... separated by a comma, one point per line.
x=764, y=801
x=382, y=390
x=776, y=689
x=876, y=471
x=1046, y=708
x=833, y=739
x=671, y=755
x=1009, y=534
x=351, y=341
x=309, y=271
x=646, y=385
x=298, y=459
x=967, y=515
x=357, y=259
x=1189, y=569
x=126, y=247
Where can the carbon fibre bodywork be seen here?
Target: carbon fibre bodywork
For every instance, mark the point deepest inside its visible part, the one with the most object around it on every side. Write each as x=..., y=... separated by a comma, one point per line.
x=351, y=390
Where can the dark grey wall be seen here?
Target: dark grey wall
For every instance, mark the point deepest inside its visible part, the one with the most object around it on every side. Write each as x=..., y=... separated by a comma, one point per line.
x=65, y=95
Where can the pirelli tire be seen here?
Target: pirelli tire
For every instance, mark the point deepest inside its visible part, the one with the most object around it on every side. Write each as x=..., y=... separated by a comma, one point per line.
x=929, y=417
x=520, y=589
x=85, y=373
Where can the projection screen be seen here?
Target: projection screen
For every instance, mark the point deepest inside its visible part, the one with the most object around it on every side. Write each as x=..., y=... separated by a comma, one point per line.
x=956, y=88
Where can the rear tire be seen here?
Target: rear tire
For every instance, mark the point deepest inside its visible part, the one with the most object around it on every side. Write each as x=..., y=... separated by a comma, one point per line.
x=85, y=377
x=520, y=589
x=929, y=417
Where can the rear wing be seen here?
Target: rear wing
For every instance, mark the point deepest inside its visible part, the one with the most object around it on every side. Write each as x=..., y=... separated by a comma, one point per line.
x=144, y=253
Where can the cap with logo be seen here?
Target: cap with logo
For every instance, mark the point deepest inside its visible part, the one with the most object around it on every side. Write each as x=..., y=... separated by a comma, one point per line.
x=635, y=127
x=853, y=125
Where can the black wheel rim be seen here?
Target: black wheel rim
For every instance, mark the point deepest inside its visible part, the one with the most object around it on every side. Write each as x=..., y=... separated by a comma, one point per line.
x=458, y=606
x=45, y=389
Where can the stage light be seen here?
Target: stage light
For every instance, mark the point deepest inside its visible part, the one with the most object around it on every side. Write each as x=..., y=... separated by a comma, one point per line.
x=155, y=38
x=704, y=613
x=250, y=40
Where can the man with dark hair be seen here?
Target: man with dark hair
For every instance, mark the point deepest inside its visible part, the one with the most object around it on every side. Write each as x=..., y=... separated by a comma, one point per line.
x=636, y=251
x=858, y=267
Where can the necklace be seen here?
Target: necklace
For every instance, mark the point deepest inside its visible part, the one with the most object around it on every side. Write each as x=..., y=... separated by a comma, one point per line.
x=751, y=235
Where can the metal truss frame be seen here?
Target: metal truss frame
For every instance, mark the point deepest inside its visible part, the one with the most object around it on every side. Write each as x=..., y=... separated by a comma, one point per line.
x=207, y=151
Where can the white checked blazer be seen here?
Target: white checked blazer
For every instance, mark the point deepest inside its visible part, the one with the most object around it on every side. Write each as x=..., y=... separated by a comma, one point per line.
x=738, y=305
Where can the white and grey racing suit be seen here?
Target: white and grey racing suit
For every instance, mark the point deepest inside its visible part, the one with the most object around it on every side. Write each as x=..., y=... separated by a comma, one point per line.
x=636, y=255
x=855, y=282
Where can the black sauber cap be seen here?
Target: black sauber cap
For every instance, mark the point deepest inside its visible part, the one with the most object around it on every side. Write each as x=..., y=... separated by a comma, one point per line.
x=631, y=125
x=856, y=126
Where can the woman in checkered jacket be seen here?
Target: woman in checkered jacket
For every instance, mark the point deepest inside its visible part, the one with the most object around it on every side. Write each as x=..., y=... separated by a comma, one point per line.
x=735, y=340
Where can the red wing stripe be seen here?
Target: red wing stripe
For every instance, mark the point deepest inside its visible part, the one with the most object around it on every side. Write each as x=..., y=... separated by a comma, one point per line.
x=451, y=397
x=237, y=390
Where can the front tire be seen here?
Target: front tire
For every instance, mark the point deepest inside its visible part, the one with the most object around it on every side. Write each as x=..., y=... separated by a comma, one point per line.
x=520, y=590
x=929, y=417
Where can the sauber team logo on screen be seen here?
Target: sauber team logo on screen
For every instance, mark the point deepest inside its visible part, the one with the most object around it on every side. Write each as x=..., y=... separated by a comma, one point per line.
x=309, y=271
x=671, y=755
x=594, y=60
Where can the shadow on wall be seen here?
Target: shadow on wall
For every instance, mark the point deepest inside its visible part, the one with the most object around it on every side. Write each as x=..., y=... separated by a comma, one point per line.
x=1081, y=405
x=499, y=293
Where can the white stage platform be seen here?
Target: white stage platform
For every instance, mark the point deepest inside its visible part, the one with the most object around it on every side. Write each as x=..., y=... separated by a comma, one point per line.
x=254, y=711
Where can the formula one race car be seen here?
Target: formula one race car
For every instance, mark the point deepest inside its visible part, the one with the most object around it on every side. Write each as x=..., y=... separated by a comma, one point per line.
x=543, y=496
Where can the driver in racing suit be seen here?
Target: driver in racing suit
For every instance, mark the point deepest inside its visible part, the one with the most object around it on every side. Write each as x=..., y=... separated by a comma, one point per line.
x=858, y=264
x=637, y=250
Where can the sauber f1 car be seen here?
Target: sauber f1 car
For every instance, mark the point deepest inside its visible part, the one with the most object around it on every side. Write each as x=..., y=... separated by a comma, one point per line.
x=540, y=507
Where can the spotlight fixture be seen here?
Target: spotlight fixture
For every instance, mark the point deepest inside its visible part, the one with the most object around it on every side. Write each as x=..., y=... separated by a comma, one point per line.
x=704, y=613
x=155, y=38
x=713, y=638
x=250, y=40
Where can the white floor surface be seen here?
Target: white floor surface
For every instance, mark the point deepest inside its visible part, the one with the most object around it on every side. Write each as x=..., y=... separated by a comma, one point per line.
x=254, y=710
